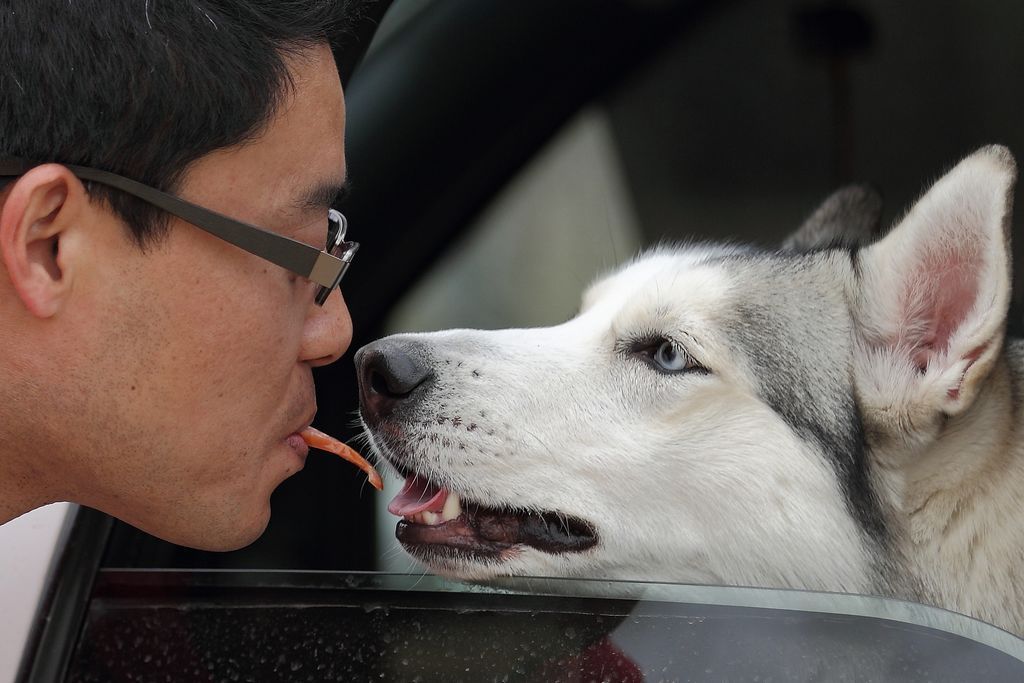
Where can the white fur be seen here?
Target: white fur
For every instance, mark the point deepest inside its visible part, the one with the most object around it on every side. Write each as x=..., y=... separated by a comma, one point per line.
x=694, y=477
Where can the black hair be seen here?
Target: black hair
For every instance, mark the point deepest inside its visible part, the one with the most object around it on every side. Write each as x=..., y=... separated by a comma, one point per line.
x=142, y=88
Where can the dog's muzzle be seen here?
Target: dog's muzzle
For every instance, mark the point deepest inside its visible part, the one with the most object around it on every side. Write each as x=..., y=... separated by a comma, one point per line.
x=396, y=380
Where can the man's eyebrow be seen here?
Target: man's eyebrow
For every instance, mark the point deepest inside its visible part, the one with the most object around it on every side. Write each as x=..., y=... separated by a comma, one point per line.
x=323, y=195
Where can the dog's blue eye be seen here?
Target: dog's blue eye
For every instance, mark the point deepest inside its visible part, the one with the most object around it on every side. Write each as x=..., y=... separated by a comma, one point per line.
x=669, y=359
x=662, y=354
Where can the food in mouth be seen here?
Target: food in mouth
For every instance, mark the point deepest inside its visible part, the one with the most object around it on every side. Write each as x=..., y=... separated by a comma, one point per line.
x=438, y=521
x=314, y=438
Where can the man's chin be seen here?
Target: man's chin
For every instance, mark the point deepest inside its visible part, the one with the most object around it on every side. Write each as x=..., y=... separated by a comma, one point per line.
x=235, y=538
x=217, y=533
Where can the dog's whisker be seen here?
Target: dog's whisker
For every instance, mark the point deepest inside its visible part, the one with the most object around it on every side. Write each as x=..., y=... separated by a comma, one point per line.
x=393, y=552
x=419, y=580
x=541, y=443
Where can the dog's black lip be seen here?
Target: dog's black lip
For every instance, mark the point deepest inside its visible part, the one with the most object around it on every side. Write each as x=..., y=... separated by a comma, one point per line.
x=485, y=532
x=455, y=537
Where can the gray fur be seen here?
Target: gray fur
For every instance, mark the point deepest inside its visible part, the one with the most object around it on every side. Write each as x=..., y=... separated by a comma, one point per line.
x=850, y=216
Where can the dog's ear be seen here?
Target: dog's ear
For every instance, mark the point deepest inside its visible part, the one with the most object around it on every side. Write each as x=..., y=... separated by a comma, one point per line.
x=849, y=217
x=934, y=295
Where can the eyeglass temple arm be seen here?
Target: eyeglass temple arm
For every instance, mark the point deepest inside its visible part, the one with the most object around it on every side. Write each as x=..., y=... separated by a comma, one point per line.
x=299, y=258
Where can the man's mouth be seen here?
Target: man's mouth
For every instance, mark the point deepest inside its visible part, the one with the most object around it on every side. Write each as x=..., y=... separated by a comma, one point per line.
x=438, y=521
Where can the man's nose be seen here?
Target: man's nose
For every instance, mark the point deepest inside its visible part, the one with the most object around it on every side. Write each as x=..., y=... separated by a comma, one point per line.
x=328, y=332
x=391, y=373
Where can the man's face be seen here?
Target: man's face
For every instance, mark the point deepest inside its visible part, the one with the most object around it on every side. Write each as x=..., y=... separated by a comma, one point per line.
x=201, y=354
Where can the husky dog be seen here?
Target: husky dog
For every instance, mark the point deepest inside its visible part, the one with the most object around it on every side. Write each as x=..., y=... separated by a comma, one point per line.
x=842, y=414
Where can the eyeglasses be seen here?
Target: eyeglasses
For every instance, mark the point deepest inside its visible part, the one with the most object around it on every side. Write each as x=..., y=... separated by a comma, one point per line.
x=325, y=268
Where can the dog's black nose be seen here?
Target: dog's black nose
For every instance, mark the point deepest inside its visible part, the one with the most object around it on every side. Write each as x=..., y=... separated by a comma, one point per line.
x=389, y=371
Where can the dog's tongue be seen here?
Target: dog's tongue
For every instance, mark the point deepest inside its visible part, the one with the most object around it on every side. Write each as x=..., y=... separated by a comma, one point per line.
x=416, y=496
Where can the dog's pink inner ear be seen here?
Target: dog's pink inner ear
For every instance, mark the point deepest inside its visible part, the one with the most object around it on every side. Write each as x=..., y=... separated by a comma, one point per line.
x=938, y=299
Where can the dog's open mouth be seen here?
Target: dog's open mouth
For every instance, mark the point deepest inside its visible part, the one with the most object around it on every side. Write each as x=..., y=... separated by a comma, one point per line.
x=435, y=519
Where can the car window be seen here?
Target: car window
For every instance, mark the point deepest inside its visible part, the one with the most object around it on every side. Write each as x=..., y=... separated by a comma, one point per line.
x=252, y=626
x=564, y=219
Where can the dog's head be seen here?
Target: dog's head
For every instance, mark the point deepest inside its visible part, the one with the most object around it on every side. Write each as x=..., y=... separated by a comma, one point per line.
x=702, y=418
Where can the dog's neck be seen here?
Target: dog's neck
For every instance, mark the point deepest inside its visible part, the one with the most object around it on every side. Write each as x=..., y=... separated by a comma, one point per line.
x=972, y=454
x=958, y=502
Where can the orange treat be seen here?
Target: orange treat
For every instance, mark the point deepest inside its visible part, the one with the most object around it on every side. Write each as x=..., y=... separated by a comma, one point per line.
x=317, y=439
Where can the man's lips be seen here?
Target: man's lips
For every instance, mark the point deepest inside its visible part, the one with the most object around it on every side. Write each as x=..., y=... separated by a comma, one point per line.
x=294, y=440
x=298, y=444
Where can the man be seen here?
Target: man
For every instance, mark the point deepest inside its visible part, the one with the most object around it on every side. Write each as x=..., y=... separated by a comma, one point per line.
x=150, y=368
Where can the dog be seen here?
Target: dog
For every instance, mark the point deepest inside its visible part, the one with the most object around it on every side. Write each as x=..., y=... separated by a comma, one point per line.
x=840, y=414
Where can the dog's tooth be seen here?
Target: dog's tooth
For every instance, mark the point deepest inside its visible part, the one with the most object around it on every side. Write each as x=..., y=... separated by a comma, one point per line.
x=452, y=507
x=431, y=518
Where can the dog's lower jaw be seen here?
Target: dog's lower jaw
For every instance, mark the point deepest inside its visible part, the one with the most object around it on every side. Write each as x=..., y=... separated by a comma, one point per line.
x=509, y=564
x=483, y=542
x=465, y=568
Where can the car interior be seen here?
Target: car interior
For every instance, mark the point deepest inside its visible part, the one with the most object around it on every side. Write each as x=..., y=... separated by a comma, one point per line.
x=502, y=156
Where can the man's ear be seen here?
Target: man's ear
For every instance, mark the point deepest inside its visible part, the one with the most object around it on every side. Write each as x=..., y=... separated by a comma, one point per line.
x=39, y=209
x=934, y=296
x=848, y=217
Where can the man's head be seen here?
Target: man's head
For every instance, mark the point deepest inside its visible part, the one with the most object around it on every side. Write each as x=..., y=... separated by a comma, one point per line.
x=149, y=368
